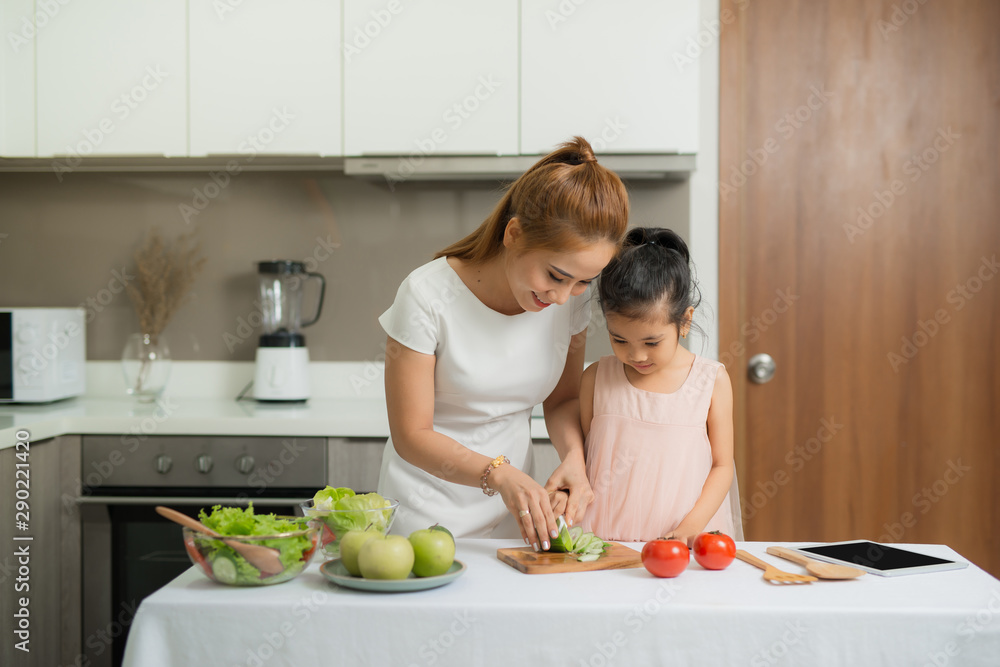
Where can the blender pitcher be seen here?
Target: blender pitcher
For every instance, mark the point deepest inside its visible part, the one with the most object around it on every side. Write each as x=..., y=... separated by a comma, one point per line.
x=282, y=362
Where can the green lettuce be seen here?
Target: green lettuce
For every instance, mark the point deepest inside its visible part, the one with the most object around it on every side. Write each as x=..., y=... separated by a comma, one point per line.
x=231, y=521
x=327, y=498
x=353, y=512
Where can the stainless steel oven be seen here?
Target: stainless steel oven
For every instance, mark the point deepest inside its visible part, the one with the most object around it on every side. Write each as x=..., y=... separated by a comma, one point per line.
x=129, y=551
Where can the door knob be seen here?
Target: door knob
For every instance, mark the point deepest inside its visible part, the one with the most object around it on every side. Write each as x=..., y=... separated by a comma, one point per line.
x=761, y=368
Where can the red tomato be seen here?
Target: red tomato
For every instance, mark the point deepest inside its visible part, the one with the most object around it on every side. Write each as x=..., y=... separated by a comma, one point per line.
x=197, y=557
x=714, y=551
x=328, y=535
x=665, y=558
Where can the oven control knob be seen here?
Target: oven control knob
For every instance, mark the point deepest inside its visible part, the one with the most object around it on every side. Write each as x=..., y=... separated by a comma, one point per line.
x=245, y=464
x=163, y=464
x=204, y=464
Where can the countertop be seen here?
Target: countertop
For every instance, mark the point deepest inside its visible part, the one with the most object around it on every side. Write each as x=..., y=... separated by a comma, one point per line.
x=201, y=401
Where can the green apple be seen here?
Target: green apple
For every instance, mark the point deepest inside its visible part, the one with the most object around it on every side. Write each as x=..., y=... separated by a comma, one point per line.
x=350, y=547
x=386, y=557
x=433, y=551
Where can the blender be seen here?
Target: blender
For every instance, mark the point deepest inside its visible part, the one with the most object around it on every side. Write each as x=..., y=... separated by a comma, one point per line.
x=282, y=363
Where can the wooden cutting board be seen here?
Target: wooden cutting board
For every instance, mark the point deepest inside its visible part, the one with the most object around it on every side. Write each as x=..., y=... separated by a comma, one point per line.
x=527, y=560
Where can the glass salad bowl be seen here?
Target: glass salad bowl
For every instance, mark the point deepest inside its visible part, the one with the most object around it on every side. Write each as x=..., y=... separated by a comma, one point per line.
x=236, y=560
x=358, y=515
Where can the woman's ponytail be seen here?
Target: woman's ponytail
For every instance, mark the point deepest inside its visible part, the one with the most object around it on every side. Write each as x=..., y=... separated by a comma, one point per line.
x=565, y=201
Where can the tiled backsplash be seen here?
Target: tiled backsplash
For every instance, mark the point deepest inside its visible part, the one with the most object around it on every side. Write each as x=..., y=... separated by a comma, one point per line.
x=70, y=243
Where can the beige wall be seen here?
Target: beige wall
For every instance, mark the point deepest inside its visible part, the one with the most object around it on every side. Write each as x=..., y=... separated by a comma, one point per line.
x=62, y=244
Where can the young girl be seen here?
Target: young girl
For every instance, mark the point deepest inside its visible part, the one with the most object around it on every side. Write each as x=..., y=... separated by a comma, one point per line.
x=493, y=326
x=658, y=420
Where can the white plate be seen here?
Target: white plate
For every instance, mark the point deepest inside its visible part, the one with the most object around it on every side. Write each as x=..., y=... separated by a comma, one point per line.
x=335, y=571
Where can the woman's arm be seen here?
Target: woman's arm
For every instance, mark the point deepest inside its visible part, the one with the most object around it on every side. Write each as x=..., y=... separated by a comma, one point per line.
x=562, y=420
x=720, y=477
x=409, y=396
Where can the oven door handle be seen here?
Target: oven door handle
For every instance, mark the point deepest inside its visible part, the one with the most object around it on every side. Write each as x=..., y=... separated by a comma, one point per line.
x=184, y=500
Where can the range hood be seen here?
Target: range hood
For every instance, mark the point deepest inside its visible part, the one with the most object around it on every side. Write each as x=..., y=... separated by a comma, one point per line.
x=483, y=167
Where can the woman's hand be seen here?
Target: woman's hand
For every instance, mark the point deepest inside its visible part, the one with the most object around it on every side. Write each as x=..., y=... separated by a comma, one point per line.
x=571, y=477
x=529, y=502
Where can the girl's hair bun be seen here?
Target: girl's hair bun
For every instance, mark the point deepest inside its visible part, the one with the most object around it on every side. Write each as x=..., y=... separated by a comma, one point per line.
x=667, y=239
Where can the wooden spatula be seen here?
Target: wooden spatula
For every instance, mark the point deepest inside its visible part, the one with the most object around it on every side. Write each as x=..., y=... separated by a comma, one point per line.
x=815, y=567
x=265, y=559
x=773, y=574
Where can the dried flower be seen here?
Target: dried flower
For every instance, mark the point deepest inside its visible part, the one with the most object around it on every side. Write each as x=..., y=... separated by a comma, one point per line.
x=164, y=275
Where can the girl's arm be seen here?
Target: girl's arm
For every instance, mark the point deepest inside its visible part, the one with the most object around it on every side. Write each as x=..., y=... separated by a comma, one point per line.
x=720, y=436
x=409, y=396
x=562, y=420
x=587, y=398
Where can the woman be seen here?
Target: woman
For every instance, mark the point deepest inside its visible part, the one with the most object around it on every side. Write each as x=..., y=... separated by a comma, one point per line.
x=493, y=326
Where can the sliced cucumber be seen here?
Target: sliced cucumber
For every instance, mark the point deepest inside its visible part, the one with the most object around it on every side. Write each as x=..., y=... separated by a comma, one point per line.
x=586, y=546
x=224, y=568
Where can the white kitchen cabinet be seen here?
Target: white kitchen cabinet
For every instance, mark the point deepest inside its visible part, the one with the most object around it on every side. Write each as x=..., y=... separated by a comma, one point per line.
x=17, y=77
x=112, y=79
x=617, y=72
x=432, y=78
x=265, y=77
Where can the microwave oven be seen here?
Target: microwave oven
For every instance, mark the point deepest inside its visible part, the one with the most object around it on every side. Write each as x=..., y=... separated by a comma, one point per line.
x=42, y=354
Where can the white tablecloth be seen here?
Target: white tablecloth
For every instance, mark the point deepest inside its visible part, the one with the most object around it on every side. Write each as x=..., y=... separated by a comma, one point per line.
x=494, y=615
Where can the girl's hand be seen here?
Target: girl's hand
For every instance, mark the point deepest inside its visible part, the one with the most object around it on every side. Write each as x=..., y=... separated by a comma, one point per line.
x=530, y=504
x=571, y=477
x=684, y=535
x=558, y=501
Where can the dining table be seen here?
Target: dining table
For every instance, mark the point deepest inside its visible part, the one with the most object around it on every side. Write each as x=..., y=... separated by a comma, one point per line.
x=492, y=614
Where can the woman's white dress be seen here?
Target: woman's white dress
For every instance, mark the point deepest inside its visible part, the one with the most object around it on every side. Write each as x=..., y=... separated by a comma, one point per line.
x=491, y=370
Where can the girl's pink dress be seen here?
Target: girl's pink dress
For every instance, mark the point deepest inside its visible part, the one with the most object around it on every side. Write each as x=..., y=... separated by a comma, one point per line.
x=648, y=455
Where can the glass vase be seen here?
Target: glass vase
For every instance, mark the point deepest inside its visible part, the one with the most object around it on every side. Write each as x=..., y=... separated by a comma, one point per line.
x=146, y=366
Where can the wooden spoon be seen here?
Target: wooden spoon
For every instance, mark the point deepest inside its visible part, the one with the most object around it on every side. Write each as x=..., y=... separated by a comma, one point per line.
x=263, y=558
x=815, y=567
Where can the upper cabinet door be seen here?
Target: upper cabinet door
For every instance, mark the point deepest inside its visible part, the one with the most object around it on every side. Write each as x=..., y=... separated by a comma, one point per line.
x=17, y=78
x=265, y=77
x=430, y=78
x=112, y=79
x=616, y=72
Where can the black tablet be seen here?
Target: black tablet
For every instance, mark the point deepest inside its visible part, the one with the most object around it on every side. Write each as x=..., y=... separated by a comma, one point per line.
x=879, y=558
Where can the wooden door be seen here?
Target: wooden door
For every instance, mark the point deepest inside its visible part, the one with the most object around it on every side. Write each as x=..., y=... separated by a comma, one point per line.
x=859, y=236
